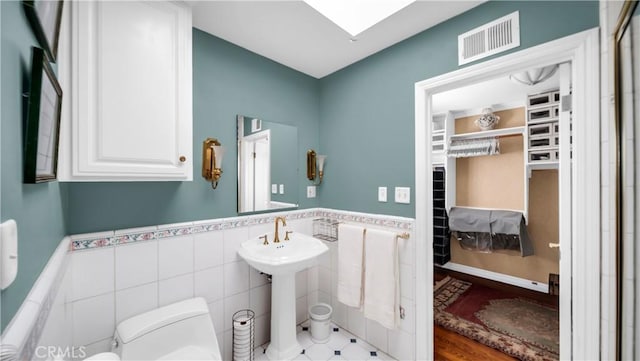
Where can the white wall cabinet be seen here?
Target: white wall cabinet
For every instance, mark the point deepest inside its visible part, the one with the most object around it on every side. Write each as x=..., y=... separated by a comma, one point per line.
x=127, y=79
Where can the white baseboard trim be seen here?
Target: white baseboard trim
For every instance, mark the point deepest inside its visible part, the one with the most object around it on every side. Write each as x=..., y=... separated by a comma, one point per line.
x=500, y=277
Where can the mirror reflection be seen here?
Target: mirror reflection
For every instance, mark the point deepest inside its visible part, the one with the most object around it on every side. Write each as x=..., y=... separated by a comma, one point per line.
x=267, y=170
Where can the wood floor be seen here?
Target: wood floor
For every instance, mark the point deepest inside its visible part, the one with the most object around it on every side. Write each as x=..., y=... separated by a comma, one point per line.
x=450, y=346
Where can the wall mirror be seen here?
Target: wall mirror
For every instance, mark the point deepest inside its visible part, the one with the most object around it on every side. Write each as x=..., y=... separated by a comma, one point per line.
x=267, y=167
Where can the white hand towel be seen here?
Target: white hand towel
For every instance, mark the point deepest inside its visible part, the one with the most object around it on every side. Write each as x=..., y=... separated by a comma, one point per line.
x=350, y=248
x=381, y=278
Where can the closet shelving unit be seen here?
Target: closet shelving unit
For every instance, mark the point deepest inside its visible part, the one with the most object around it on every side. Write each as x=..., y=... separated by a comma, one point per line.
x=440, y=156
x=503, y=132
x=542, y=145
x=438, y=138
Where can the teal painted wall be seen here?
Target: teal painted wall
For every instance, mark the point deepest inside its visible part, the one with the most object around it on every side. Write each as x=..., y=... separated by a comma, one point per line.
x=38, y=209
x=227, y=80
x=367, y=109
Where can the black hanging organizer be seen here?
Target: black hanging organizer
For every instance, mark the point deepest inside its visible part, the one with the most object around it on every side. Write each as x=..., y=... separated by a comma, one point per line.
x=441, y=234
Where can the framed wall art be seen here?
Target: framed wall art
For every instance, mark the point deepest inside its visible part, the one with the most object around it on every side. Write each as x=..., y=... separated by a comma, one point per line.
x=44, y=17
x=42, y=126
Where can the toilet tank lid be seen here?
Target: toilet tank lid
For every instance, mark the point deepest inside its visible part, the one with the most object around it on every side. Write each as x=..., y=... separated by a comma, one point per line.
x=134, y=327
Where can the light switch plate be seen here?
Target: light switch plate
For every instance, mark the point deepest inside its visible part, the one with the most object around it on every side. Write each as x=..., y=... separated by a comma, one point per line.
x=274, y=189
x=311, y=191
x=382, y=194
x=403, y=195
x=281, y=188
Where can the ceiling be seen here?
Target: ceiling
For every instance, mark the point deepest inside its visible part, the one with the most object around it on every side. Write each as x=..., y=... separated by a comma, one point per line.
x=499, y=93
x=294, y=34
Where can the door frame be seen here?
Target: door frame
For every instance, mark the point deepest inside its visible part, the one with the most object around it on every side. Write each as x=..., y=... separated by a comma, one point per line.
x=247, y=161
x=582, y=50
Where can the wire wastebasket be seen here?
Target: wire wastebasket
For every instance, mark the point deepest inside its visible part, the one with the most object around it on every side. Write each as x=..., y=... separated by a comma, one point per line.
x=243, y=335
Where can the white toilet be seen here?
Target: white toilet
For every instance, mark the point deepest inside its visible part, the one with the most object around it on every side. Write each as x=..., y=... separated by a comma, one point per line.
x=180, y=331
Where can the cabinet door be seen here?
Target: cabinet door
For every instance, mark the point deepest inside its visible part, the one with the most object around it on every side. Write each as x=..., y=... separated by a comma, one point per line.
x=131, y=91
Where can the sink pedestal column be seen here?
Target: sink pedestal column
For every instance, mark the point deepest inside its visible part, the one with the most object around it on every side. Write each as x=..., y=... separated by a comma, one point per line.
x=284, y=344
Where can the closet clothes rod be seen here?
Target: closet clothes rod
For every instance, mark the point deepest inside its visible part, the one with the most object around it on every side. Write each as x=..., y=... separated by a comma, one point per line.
x=509, y=135
x=493, y=133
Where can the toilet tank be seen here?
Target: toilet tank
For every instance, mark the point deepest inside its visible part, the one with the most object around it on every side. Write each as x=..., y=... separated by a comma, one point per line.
x=182, y=330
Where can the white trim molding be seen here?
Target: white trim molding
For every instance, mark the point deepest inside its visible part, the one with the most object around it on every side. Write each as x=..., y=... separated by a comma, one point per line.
x=582, y=295
x=499, y=277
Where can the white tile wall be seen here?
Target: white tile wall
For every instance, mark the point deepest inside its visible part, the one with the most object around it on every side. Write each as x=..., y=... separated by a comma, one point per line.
x=175, y=256
x=137, y=277
x=216, y=309
x=135, y=264
x=208, y=248
x=232, y=239
x=175, y=289
x=59, y=319
x=236, y=278
x=106, y=285
x=232, y=304
x=92, y=273
x=263, y=324
x=209, y=284
x=377, y=335
x=93, y=319
x=352, y=319
x=136, y=300
x=302, y=310
x=260, y=300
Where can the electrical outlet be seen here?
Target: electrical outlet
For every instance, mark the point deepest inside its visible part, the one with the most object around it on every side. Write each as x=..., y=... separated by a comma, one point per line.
x=311, y=191
x=274, y=189
x=382, y=194
x=403, y=195
x=281, y=188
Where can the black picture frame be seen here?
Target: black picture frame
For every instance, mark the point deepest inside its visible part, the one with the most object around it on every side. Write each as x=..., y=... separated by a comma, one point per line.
x=42, y=126
x=44, y=16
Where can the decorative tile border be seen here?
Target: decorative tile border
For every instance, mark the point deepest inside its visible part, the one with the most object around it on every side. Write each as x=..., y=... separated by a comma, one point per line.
x=405, y=224
x=91, y=241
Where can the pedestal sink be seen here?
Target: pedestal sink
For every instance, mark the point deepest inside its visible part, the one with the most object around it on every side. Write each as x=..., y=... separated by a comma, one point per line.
x=282, y=260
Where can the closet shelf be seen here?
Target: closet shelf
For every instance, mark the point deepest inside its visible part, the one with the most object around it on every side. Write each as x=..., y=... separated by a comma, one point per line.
x=503, y=132
x=543, y=165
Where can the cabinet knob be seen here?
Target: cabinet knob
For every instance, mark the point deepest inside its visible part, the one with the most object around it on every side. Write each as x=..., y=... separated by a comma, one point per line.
x=183, y=159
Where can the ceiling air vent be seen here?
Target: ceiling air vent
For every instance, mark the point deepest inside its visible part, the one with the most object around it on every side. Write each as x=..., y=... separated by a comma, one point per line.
x=492, y=38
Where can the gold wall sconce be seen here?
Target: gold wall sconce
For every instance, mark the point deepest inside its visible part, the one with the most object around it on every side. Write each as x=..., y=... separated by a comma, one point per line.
x=212, y=153
x=313, y=168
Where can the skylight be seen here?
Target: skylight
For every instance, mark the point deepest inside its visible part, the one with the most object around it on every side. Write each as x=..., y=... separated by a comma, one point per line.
x=356, y=16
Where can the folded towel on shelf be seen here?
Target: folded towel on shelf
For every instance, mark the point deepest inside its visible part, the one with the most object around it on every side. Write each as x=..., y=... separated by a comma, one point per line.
x=350, y=263
x=381, y=278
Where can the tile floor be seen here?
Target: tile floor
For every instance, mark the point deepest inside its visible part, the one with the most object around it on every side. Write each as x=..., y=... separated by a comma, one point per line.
x=342, y=345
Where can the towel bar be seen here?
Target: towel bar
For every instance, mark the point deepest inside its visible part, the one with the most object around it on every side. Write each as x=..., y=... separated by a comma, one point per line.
x=404, y=235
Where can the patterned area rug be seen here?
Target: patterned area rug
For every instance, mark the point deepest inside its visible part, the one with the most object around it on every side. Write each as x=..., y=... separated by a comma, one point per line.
x=519, y=327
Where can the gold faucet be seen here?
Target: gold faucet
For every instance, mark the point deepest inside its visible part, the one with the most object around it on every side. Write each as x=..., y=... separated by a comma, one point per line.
x=276, y=239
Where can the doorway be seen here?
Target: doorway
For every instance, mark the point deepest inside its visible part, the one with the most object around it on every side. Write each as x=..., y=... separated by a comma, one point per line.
x=256, y=175
x=516, y=184
x=579, y=187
